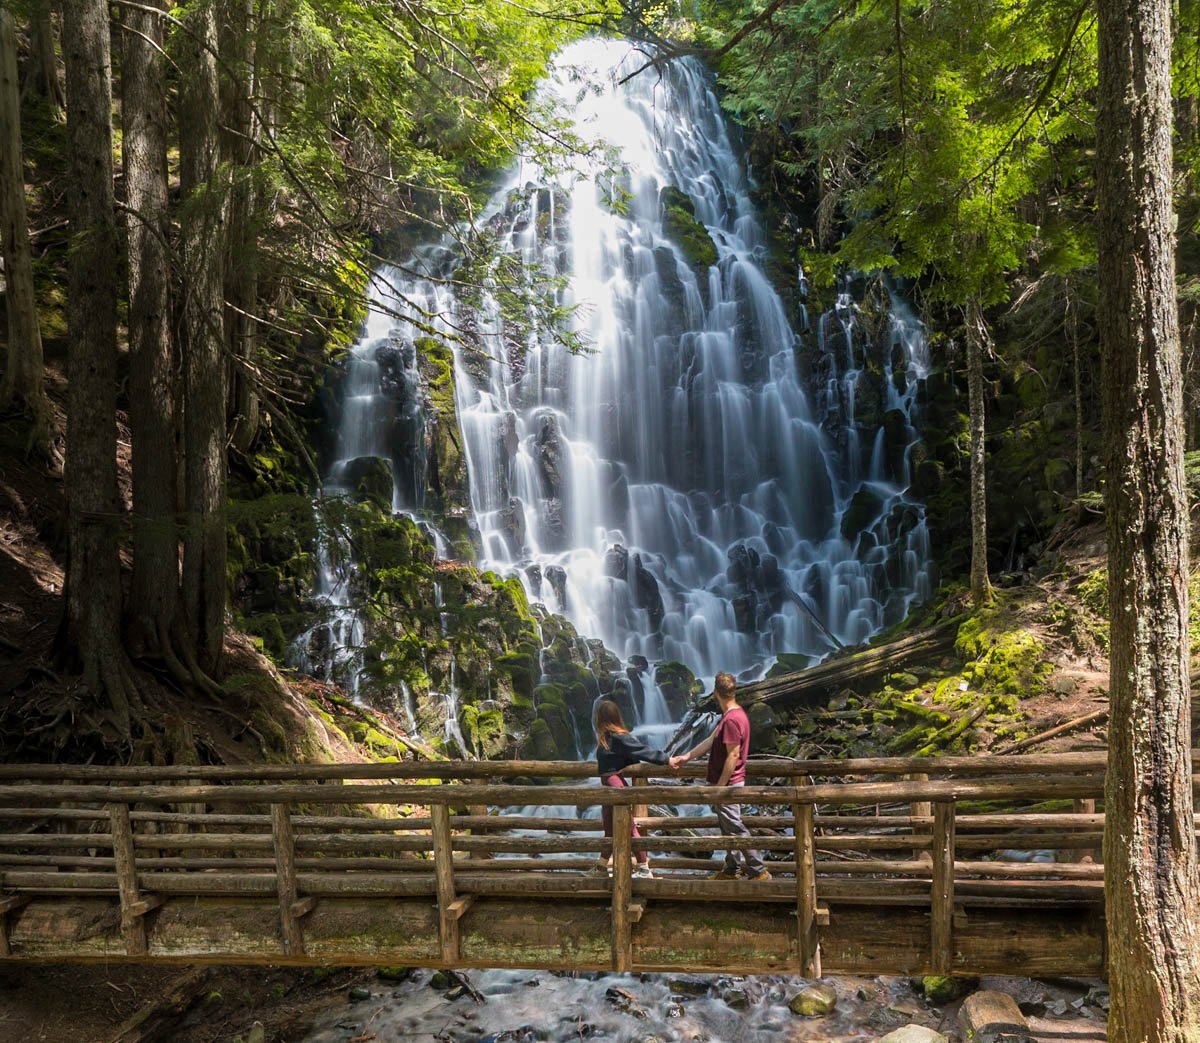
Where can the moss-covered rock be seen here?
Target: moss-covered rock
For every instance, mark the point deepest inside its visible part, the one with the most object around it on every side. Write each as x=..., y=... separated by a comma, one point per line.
x=682, y=228
x=1001, y=657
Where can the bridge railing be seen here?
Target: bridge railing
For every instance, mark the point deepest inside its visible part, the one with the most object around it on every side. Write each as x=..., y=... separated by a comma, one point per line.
x=834, y=833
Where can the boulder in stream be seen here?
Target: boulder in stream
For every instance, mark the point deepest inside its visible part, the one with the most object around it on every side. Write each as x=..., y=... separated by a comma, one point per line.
x=815, y=1001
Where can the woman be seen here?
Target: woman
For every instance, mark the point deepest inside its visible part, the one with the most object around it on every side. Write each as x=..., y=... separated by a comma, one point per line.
x=617, y=749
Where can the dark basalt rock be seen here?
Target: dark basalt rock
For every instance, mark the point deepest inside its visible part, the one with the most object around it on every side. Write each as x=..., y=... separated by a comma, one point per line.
x=646, y=593
x=512, y=521
x=556, y=576
x=616, y=562
x=548, y=454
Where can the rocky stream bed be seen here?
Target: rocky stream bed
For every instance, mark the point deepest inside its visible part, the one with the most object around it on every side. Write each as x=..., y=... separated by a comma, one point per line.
x=523, y=1006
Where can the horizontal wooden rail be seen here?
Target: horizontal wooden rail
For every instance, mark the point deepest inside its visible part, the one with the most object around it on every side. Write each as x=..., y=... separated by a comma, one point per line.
x=1016, y=764
x=1014, y=788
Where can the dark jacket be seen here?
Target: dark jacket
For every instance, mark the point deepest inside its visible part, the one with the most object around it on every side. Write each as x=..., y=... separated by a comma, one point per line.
x=624, y=750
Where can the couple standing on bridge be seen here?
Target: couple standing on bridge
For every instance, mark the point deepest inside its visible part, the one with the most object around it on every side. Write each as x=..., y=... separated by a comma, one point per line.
x=727, y=747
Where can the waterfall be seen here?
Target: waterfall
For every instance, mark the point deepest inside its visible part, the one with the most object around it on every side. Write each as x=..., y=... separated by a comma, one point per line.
x=702, y=483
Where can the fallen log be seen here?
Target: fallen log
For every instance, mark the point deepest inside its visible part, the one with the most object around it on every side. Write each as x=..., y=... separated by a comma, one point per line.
x=861, y=669
x=1060, y=729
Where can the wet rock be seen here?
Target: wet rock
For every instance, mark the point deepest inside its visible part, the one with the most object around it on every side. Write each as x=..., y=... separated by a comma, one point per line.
x=393, y=973
x=553, y=524
x=669, y=284
x=440, y=980
x=682, y=228
x=677, y=684
x=456, y=993
x=512, y=524
x=556, y=576
x=369, y=478
x=548, y=455
x=674, y=1010
x=745, y=612
x=359, y=993
x=861, y=512
x=646, y=593
x=815, y=1001
x=688, y=986
x=616, y=562
x=738, y=999
x=913, y=1034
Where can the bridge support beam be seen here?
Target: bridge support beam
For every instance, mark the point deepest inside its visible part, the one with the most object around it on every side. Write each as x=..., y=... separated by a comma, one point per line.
x=622, y=889
x=284, y=843
x=450, y=906
x=807, y=939
x=941, y=904
x=133, y=909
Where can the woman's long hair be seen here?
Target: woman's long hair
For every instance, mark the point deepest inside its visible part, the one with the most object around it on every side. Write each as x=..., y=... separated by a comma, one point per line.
x=608, y=722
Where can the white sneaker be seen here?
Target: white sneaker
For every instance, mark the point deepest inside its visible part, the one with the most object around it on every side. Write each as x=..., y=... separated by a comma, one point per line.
x=643, y=872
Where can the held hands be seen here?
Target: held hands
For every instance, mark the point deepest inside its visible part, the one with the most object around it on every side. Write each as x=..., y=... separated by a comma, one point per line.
x=678, y=761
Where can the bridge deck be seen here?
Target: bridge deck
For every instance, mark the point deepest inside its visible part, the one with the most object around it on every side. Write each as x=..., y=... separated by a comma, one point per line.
x=372, y=864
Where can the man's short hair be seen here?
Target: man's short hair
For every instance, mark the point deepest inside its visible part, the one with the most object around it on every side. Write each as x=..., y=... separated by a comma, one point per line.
x=726, y=685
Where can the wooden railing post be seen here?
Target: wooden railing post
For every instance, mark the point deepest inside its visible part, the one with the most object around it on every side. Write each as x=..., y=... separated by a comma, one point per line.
x=807, y=938
x=450, y=907
x=1082, y=806
x=622, y=888
x=941, y=900
x=133, y=926
x=920, y=809
x=285, y=879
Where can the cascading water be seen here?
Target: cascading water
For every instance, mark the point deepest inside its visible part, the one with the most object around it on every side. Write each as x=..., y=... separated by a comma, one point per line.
x=701, y=484
x=672, y=490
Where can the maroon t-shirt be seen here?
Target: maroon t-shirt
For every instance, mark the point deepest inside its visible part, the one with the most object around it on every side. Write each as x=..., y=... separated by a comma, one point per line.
x=734, y=728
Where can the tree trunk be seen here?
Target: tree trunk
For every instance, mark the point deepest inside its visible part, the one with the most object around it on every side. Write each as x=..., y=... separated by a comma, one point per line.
x=41, y=76
x=202, y=335
x=240, y=151
x=977, y=341
x=91, y=631
x=1072, y=323
x=1152, y=887
x=154, y=593
x=23, y=375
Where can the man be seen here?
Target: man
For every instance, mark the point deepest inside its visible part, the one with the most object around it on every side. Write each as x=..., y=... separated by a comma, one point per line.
x=727, y=749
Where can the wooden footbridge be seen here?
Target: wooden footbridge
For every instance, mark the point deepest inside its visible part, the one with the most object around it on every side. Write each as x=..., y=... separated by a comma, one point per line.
x=879, y=866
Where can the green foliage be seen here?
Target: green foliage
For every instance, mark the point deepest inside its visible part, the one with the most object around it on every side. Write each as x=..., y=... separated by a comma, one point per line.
x=938, y=132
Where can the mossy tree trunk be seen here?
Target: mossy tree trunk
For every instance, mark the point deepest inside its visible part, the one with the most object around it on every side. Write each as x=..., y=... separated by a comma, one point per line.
x=23, y=377
x=202, y=331
x=1152, y=884
x=90, y=636
x=154, y=591
x=978, y=340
